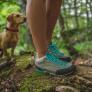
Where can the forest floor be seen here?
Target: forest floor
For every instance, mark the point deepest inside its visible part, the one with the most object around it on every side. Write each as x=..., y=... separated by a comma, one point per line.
x=22, y=76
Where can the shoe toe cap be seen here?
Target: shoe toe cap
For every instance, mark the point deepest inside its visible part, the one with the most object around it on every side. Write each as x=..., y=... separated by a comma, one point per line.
x=66, y=71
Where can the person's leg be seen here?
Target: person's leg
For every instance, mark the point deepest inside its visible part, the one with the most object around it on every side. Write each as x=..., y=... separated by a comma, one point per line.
x=52, y=10
x=36, y=17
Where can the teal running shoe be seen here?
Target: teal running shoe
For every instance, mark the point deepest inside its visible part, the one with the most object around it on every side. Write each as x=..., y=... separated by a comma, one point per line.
x=54, y=50
x=52, y=65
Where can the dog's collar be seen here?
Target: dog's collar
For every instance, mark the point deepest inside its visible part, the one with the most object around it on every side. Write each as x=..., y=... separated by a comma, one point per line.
x=11, y=29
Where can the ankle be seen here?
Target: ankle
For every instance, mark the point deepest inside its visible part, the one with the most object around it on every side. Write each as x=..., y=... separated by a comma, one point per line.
x=41, y=54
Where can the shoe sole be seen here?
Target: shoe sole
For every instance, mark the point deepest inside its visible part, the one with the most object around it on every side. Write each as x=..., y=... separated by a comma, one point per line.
x=45, y=71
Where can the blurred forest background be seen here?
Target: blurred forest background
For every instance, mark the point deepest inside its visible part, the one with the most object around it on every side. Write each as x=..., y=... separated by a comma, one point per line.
x=75, y=38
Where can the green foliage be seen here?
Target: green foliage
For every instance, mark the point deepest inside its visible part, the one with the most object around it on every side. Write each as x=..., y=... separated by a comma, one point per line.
x=77, y=14
x=36, y=80
x=7, y=8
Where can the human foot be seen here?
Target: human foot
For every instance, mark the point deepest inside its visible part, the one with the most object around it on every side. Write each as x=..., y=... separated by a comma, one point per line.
x=51, y=64
x=54, y=50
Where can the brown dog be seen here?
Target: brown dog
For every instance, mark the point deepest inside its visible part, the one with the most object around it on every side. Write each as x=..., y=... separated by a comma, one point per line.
x=9, y=37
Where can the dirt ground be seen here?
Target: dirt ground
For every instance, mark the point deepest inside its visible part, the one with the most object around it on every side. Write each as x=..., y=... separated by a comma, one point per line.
x=22, y=76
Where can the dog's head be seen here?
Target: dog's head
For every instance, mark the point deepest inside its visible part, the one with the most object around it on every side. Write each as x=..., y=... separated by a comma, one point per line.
x=16, y=18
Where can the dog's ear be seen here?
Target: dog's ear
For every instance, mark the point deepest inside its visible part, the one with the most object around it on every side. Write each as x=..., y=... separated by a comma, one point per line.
x=10, y=18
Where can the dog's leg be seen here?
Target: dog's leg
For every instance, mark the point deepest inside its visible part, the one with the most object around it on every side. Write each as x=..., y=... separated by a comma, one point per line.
x=12, y=52
x=6, y=54
x=1, y=52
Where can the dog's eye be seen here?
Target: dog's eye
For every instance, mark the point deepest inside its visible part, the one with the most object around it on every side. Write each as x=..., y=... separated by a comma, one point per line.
x=17, y=15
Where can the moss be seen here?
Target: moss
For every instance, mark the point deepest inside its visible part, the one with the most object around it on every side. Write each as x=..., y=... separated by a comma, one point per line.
x=36, y=81
x=23, y=61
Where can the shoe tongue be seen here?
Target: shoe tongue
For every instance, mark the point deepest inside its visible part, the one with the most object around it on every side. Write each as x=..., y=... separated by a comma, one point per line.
x=52, y=46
